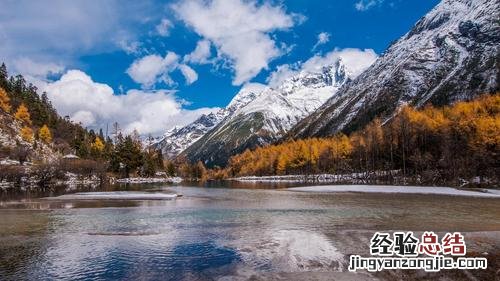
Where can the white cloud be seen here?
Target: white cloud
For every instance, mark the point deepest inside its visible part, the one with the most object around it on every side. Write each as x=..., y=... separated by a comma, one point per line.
x=200, y=54
x=364, y=5
x=282, y=73
x=95, y=105
x=323, y=38
x=30, y=26
x=133, y=47
x=164, y=27
x=36, y=69
x=354, y=60
x=240, y=31
x=35, y=72
x=83, y=117
x=62, y=31
x=189, y=74
x=152, y=69
x=146, y=70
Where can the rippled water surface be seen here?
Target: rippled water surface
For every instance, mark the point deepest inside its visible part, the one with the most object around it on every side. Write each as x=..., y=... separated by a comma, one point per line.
x=214, y=233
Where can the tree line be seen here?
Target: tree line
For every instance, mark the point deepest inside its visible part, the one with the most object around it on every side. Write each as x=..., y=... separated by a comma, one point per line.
x=433, y=145
x=120, y=154
x=429, y=146
x=39, y=120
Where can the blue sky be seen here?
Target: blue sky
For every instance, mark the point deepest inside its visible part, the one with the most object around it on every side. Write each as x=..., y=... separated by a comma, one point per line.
x=141, y=50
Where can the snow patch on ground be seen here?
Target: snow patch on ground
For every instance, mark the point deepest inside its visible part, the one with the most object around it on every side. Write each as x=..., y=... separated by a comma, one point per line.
x=73, y=181
x=150, y=180
x=325, y=178
x=400, y=189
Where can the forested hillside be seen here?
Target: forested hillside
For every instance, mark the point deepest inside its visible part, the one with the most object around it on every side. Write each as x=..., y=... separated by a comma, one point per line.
x=433, y=145
x=29, y=120
x=31, y=130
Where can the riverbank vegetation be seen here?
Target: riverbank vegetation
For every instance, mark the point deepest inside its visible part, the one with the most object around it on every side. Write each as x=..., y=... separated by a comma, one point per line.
x=445, y=145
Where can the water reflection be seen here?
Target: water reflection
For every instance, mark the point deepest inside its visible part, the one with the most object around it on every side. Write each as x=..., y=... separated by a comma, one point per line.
x=211, y=233
x=31, y=193
x=244, y=184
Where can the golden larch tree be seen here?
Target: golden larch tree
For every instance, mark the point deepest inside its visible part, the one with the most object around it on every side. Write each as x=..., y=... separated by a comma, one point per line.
x=97, y=145
x=44, y=134
x=27, y=134
x=23, y=115
x=4, y=101
x=281, y=164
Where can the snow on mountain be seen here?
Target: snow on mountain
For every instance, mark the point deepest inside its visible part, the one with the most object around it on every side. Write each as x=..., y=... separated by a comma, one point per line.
x=296, y=98
x=270, y=115
x=177, y=139
x=451, y=54
x=247, y=94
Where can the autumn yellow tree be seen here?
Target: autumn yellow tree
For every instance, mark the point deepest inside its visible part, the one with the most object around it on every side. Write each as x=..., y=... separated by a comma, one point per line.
x=97, y=145
x=23, y=115
x=374, y=135
x=429, y=145
x=27, y=134
x=343, y=146
x=4, y=101
x=44, y=134
x=281, y=164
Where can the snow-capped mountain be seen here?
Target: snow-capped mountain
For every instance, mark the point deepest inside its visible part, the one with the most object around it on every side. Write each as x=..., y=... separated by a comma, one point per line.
x=450, y=54
x=177, y=139
x=270, y=115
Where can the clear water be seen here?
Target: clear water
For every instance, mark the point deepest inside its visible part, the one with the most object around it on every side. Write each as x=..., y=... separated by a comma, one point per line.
x=214, y=233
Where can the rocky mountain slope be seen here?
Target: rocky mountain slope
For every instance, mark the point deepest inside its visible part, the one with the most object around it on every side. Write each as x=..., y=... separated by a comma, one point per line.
x=176, y=140
x=11, y=142
x=270, y=115
x=450, y=54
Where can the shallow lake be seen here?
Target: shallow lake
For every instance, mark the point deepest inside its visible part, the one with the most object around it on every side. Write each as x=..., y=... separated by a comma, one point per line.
x=219, y=233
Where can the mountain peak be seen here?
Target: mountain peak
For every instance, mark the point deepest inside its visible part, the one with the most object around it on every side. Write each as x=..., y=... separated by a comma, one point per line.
x=247, y=93
x=450, y=54
x=177, y=139
x=270, y=113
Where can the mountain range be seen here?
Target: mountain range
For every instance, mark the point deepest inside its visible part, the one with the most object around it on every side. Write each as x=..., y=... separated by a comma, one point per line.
x=176, y=140
x=450, y=54
x=270, y=115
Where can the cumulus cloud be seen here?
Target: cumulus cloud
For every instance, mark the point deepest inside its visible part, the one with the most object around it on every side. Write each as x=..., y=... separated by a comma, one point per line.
x=153, y=69
x=94, y=104
x=354, y=60
x=164, y=27
x=200, y=54
x=323, y=38
x=240, y=31
x=364, y=5
x=189, y=74
x=83, y=117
